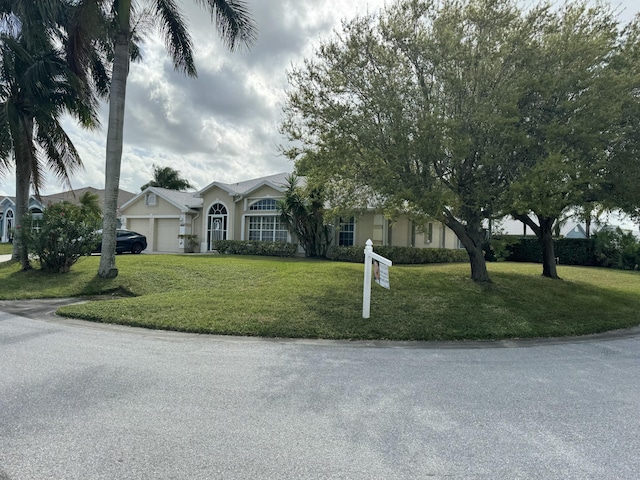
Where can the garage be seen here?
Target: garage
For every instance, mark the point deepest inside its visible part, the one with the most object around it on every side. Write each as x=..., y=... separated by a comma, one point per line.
x=167, y=230
x=139, y=225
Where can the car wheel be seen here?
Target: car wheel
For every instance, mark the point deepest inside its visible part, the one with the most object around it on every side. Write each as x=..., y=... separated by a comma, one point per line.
x=136, y=248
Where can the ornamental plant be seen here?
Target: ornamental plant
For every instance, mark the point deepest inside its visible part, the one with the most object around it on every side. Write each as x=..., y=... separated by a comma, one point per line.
x=65, y=233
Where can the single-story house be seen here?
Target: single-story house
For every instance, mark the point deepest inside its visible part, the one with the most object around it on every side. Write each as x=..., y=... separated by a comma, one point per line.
x=248, y=210
x=37, y=206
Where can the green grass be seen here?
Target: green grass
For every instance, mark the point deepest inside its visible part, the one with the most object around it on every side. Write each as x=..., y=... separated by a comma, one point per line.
x=6, y=248
x=319, y=299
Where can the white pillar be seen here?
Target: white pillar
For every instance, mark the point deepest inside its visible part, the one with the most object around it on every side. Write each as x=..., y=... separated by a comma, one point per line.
x=366, y=289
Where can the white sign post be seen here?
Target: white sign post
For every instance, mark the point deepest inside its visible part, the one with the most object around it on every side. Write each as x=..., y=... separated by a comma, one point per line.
x=383, y=264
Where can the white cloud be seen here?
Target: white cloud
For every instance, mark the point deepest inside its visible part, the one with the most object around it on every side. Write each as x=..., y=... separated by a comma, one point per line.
x=224, y=124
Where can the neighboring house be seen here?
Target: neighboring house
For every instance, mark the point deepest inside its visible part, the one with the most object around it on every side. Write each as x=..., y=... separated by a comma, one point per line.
x=37, y=205
x=248, y=211
x=573, y=231
x=8, y=220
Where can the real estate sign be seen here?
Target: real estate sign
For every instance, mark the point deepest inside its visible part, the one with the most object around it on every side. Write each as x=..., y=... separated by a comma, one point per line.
x=380, y=273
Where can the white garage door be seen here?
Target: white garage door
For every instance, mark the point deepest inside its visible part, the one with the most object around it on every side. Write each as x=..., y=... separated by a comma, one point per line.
x=167, y=230
x=139, y=225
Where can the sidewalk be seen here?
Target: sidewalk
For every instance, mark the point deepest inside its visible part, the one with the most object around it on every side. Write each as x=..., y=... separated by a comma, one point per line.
x=5, y=258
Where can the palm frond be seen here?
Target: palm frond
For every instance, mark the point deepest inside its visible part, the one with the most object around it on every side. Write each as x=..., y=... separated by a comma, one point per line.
x=233, y=20
x=177, y=39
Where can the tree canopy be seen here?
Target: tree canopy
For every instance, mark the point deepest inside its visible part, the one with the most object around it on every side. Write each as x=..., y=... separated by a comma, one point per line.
x=36, y=88
x=438, y=109
x=167, y=177
x=575, y=96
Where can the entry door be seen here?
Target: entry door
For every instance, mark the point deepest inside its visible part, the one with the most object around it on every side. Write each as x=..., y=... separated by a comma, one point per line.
x=217, y=229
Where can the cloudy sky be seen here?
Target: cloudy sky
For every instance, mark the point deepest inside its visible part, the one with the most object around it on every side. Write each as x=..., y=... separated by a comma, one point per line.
x=222, y=126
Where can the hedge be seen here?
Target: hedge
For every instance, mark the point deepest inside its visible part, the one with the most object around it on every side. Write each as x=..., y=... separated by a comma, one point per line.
x=399, y=255
x=569, y=251
x=250, y=247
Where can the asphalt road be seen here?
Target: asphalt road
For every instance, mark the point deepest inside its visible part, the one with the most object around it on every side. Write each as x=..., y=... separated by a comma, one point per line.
x=86, y=401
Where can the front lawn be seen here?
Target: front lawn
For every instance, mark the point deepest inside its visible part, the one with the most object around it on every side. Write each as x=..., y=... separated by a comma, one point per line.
x=6, y=248
x=319, y=299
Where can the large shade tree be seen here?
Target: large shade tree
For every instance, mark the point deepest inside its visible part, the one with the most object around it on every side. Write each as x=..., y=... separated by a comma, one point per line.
x=36, y=89
x=235, y=28
x=573, y=113
x=623, y=189
x=415, y=110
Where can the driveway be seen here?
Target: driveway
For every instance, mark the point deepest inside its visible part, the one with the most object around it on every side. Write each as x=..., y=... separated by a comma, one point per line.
x=87, y=401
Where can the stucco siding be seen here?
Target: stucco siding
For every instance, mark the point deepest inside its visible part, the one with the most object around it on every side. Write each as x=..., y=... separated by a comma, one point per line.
x=401, y=233
x=265, y=191
x=364, y=229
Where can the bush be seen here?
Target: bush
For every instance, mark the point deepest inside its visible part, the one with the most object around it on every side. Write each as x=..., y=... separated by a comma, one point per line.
x=63, y=235
x=498, y=249
x=616, y=249
x=249, y=247
x=610, y=248
x=575, y=251
x=525, y=250
x=399, y=255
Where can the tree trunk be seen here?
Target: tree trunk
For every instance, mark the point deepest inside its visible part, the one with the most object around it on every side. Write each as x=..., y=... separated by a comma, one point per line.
x=544, y=233
x=117, y=93
x=23, y=139
x=471, y=236
x=548, y=251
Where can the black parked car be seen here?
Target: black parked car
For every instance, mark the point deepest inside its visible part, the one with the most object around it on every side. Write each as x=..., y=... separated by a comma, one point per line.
x=127, y=241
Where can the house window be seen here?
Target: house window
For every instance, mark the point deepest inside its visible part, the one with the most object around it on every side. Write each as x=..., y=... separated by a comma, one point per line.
x=217, y=224
x=150, y=199
x=428, y=234
x=9, y=224
x=346, y=235
x=267, y=229
x=266, y=204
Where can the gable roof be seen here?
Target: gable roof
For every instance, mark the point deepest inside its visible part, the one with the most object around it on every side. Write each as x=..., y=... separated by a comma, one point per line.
x=10, y=203
x=277, y=181
x=184, y=201
x=73, y=196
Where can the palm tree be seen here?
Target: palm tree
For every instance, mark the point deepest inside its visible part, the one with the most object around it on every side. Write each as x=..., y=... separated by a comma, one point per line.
x=167, y=177
x=235, y=27
x=302, y=211
x=36, y=89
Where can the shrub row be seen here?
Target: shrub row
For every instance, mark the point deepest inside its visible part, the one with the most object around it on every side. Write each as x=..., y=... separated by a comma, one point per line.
x=249, y=247
x=399, y=255
x=569, y=251
x=613, y=249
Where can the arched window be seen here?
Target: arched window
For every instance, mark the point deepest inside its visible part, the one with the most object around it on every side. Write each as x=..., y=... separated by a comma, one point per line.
x=217, y=224
x=37, y=217
x=9, y=224
x=266, y=204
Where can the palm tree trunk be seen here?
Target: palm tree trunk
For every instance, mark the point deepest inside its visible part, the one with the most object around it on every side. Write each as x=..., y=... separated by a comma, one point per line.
x=23, y=180
x=23, y=155
x=107, y=268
